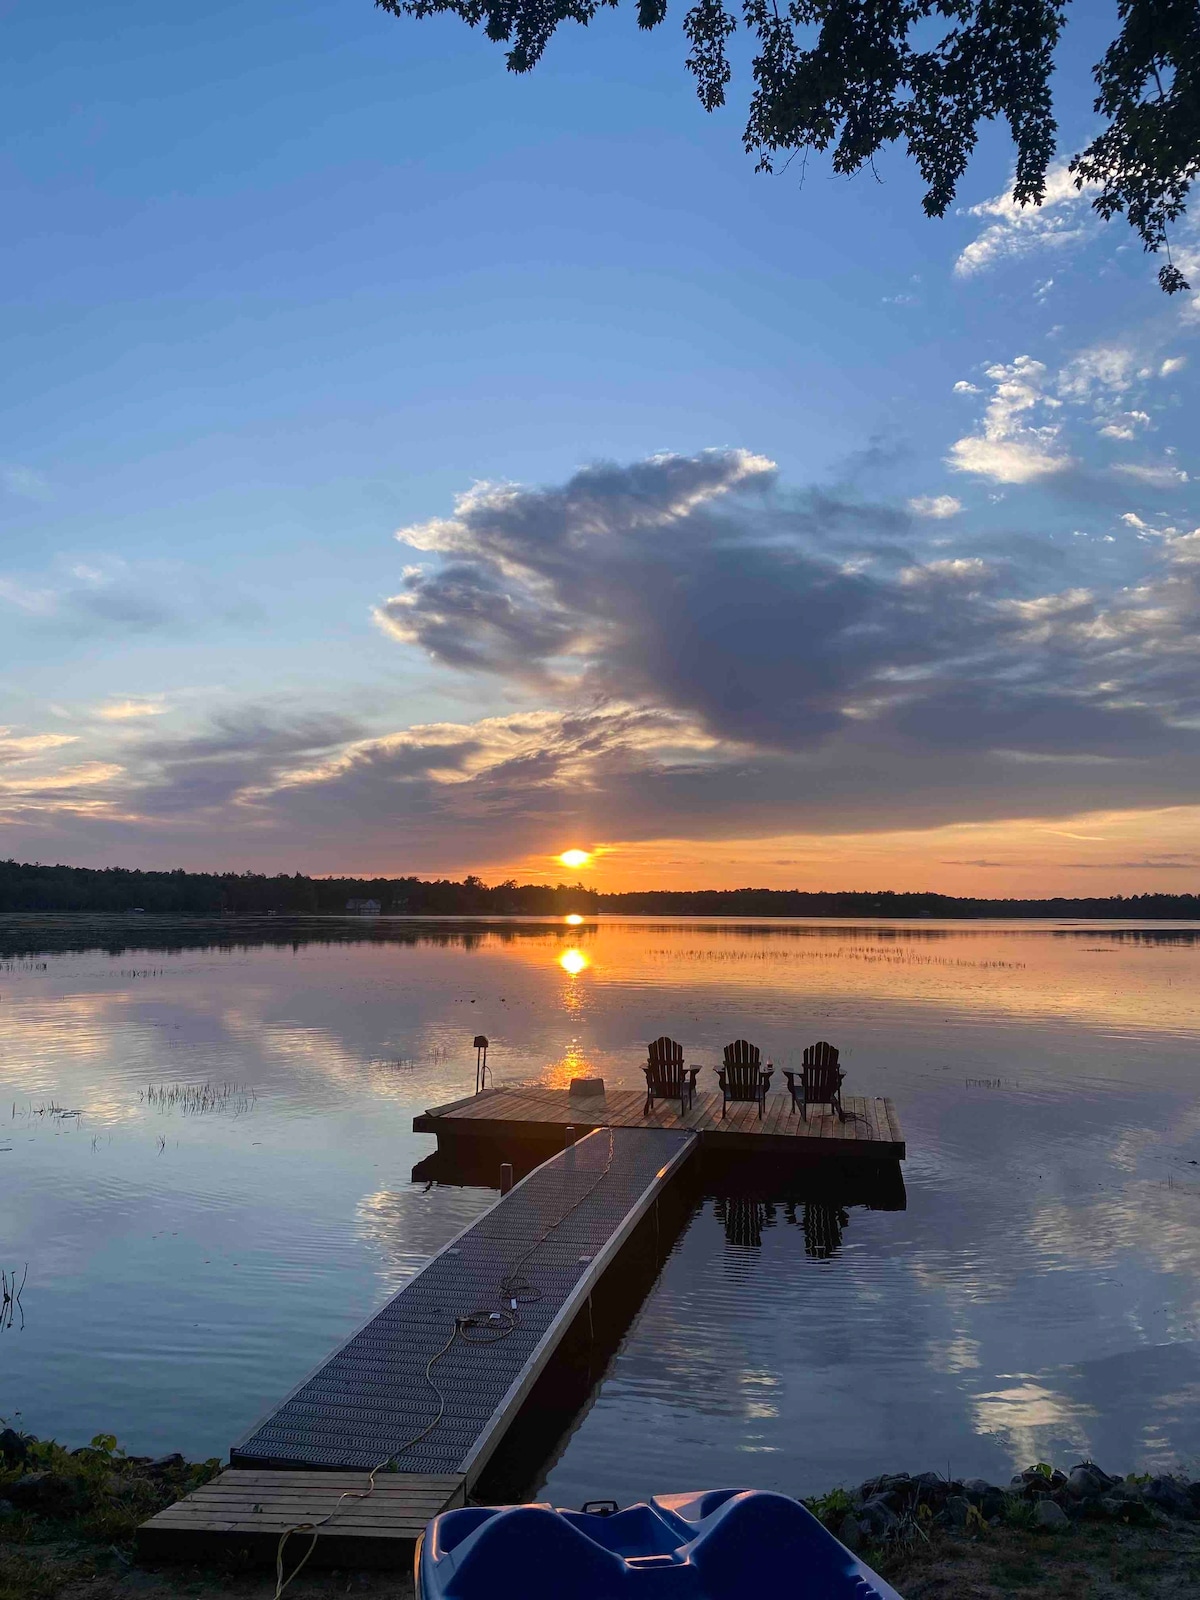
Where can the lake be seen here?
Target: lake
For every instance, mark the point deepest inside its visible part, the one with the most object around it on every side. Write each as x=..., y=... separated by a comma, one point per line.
x=206, y=1157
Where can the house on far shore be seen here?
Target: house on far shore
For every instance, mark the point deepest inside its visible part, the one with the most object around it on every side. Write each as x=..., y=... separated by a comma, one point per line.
x=364, y=908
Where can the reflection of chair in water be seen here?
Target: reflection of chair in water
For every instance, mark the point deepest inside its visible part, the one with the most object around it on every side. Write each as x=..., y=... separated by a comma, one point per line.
x=742, y=1077
x=666, y=1076
x=823, y=1226
x=744, y=1218
x=821, y=1080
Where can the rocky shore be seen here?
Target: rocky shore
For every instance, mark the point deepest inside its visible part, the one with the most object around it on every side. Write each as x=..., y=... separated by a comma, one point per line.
x=899, y=1505
x=67, y=1519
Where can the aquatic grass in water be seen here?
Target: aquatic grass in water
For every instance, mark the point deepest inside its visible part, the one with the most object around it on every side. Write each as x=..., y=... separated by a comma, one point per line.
x=200, y=1099
x=10, y=1297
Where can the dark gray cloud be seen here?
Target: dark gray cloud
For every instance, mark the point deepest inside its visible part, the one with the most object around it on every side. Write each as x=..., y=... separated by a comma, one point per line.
x=780, y=624
x=720, y=659
x=241, y=751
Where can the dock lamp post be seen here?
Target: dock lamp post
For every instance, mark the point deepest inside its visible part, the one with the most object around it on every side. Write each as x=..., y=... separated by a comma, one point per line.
x=481, y=1066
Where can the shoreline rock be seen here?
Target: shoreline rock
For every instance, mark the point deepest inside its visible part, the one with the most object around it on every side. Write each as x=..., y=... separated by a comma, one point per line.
x=888, y=1507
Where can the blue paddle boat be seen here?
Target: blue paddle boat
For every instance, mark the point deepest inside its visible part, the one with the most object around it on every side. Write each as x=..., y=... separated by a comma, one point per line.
x=727, y=1544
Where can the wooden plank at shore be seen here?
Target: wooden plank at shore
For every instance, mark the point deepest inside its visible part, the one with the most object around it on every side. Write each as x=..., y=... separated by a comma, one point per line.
x=250, y=1509
x=238, y=1479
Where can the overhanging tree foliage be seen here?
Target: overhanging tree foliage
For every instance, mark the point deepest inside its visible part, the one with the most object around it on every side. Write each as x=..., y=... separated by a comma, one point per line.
x=850, y=76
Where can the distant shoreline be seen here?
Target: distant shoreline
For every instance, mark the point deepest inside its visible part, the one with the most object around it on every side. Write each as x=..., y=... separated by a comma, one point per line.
x=35, y=887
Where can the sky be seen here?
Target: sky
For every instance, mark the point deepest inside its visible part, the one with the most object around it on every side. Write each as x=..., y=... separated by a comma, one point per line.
x=407, y=467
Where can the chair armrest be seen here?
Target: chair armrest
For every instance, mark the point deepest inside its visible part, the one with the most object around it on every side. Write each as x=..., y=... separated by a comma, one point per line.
x=695, y=1072
x=790, y=1074
x=766, y=1074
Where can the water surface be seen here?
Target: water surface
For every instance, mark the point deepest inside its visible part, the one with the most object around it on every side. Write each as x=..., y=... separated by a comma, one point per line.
x=206, y=1156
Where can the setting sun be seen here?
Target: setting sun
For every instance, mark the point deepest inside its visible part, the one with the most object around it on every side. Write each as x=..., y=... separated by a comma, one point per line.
x=575, y=858
x=573, y=919
x=573, y=961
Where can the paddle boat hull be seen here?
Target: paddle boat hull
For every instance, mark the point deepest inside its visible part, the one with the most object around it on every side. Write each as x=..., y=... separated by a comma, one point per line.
x=725, y=1544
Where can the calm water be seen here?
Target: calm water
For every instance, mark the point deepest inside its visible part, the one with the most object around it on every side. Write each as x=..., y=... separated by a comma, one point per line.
x=206, y=1150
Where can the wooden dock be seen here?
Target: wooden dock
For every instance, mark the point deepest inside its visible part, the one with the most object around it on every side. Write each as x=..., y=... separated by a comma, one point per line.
x=427, y=1390
x=531, y=1113
x=556, y=1233
x=362, y=1524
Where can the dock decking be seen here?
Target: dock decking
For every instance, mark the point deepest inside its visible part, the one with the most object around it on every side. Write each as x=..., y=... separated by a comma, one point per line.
x=369, y=1525
x=556, y=1231
x=871, y=1130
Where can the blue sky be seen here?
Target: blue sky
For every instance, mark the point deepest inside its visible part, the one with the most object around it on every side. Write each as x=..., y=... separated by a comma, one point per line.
x=283, y=280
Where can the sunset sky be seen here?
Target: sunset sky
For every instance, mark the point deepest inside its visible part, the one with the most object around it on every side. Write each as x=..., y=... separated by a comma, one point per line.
x=410, y=468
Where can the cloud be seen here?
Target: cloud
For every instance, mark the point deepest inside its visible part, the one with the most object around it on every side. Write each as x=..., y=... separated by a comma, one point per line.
x=84, y=598
x=1125, y=425
x=22, y=747
x=107, y=595
x=695, y=653
x=131, y=710
x=1104, y=369
x=1010, y=449
x=1155, y=475
x=938, y=506
x=1015, y=231
x=1171, y=366
x=24, y=482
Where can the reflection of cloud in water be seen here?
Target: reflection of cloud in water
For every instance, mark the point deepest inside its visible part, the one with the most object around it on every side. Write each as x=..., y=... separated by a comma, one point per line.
x=960, y=1354
x=62, y=1048
x=1034, y=1422
x=317, y=1053
x=1146, y=1220
x=409, y=1225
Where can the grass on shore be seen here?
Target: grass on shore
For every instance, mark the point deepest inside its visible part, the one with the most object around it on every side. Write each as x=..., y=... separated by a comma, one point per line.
x=70, y=1533
x=1087, y=1563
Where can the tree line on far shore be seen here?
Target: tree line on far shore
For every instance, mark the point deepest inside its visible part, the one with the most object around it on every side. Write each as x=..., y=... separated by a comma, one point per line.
x=111, y=890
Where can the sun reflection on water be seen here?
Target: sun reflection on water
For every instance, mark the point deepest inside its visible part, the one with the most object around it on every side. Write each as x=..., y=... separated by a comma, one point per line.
x=574, y=961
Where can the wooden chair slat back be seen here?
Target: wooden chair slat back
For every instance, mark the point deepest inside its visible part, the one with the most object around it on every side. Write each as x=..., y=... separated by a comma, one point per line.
x=821, y=1054
x=821, y=1083
x=741, y=1078
x=741, y=1053
x=665, y=1069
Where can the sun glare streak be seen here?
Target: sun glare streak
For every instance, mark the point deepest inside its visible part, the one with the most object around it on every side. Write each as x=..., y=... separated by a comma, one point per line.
x=575, y=858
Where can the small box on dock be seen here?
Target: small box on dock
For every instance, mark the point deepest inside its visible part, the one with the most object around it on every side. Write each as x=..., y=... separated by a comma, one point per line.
x=586, y=1088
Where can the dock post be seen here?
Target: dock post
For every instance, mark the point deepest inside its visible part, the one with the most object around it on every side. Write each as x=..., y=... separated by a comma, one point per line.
x=570, y=1135
x=505, y=1176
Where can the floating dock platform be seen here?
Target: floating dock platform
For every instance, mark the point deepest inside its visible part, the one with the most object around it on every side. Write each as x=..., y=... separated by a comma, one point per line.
x=533, y=1114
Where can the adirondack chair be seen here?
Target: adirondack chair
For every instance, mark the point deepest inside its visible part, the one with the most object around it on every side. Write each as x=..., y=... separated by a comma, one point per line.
x=820, y=1080
x=666, y=1076
x=742, y=1077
